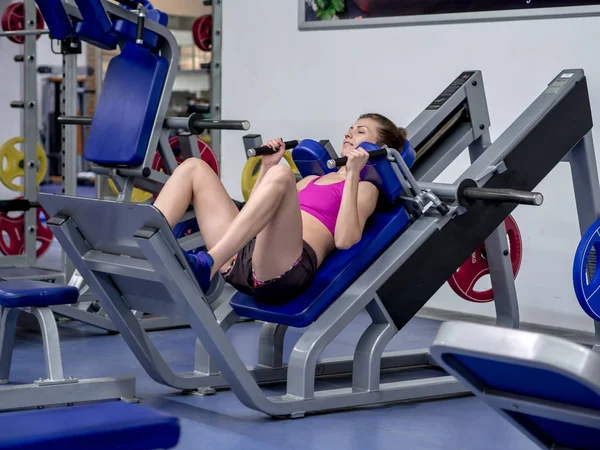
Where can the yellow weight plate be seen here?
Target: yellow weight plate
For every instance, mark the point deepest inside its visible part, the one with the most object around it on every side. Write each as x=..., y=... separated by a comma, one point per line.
x=252, y=169
x=137, y=196
x=12, y=164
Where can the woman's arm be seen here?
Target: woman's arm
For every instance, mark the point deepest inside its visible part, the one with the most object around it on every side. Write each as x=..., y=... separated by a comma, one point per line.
x=358, y=203
x=268, y=161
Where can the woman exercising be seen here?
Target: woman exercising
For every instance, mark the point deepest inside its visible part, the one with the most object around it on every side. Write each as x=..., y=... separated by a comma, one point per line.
x=273, y=247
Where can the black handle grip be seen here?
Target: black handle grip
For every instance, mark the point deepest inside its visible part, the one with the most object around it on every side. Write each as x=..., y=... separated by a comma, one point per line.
x=265, y=150
x=340, y=162
x=140, y=27
x=17, y=205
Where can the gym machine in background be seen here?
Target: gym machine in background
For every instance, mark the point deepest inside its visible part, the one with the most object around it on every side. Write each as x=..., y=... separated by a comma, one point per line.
x=27, y=238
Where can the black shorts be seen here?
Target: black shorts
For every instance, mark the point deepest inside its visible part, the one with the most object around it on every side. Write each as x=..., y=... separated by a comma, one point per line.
x=277, y=291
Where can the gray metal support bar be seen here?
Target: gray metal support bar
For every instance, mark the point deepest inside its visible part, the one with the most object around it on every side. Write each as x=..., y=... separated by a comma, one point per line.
x=369, y=350
x=8, y=328
x=52, y=354
x=30, y=130
x=204, y=364
x=270, y=345
x=69, y=138
x=215, y=76
x=501, y=275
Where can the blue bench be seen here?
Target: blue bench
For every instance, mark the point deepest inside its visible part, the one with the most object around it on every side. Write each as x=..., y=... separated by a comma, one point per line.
x=547, y=387
x=53, y=389
x=101, y=426
x=342, y=267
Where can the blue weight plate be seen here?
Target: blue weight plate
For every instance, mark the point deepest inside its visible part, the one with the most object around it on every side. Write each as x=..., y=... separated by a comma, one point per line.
x=588, y=290
x=186, y=228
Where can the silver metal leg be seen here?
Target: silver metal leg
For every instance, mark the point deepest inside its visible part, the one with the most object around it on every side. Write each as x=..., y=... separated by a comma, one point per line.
x=367, y=356
x=52, y=354
x=8, y=330
x=304, y=356
x=205, y=365
x=503, y=280
x=270, y=346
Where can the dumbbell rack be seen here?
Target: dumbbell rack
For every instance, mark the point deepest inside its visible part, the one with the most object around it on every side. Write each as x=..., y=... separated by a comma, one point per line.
x=25, y=266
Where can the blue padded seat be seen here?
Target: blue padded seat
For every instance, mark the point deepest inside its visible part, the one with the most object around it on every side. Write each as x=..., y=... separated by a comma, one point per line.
x=101, y=426
x=538, y=383
x=338, y=271
x=127, y=108
x=23, y=293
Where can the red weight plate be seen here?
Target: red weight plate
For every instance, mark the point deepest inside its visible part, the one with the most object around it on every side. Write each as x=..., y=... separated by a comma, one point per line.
x=476, y=267
x=206, y=154
x=13, y=19
x=12, y=240
x=202, y=31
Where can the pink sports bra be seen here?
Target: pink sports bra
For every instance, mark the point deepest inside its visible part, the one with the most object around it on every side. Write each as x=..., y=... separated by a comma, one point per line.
x=322, y=201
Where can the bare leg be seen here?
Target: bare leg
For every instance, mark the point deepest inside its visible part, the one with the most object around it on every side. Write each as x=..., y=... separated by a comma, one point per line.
x=195, y=181
x=266, y=213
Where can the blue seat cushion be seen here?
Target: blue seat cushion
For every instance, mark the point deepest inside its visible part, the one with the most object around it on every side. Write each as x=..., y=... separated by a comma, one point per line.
x=514, y=377
x=101, y=426
x=338, y=271
x=127, y=108
x=22, y=293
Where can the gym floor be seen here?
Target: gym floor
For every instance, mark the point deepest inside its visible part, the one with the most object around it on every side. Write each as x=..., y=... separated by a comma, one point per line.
x=221, y=421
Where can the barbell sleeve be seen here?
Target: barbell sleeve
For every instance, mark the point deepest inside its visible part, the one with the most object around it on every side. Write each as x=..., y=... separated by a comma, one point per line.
x=74, y=120
x=23, y=33
x=265, y=150
x=197, y=124
x=503, y=196
x=340, y=162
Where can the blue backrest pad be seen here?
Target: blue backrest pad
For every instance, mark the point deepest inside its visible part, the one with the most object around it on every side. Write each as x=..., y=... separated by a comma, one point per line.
x=529, y=381
x=337, y=272
x=311, y=159
x=127, y=108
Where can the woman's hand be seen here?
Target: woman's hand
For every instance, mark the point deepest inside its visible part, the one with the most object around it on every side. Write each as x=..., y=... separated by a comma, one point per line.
x=273, y=159
x=357, y=159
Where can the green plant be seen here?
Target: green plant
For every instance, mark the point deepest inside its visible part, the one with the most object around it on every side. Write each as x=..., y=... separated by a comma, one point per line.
x=326, y=9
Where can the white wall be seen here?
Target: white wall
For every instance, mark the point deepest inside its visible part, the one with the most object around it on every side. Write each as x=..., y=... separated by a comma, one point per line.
x=313, y=84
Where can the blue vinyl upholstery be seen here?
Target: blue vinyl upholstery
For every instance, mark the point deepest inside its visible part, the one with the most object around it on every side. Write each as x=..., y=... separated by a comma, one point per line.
x=101, y=426
x=342, y=267
x=129, y=102
x=23, y=293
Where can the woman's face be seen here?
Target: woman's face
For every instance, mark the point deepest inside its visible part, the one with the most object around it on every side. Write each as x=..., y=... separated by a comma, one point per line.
x=363, y=130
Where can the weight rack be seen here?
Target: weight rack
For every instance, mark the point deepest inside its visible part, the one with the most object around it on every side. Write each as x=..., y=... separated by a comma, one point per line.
x=26, y=266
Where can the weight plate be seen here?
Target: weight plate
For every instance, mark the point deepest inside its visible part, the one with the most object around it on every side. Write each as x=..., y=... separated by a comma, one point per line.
x=12, y=241
x=252, y=169
x=476, y=267
x=13, y=19
x=12, y=163
x=586, y=279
